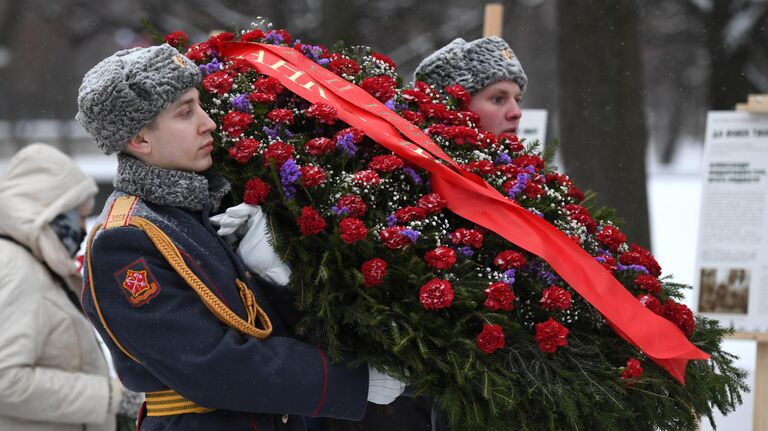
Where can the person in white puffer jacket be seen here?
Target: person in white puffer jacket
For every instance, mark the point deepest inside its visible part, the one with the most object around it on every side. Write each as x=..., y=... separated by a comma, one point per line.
x=53, y=374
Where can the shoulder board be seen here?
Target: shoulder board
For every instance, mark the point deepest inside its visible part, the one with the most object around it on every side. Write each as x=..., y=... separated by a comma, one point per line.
x=120, y=212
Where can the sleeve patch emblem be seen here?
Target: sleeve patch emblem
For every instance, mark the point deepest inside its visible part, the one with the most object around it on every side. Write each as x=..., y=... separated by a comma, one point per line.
x=138, y=284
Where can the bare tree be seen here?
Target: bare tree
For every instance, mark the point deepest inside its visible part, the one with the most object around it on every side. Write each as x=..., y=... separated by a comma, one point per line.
x=602, y=117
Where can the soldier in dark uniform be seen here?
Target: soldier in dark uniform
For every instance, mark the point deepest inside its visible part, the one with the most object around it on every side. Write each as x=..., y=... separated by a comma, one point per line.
x=185, y=322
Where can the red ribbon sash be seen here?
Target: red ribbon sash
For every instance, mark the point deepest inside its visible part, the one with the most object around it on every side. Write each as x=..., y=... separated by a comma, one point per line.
x=473, y=199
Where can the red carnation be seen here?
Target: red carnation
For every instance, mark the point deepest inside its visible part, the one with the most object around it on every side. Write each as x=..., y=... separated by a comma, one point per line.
x=680, y=315
x=650, y=302
x=459, y=93
x=278, y=151
x=611, y=237
x=512, y=141
x=355, y=205
x=632, y=370
x=280, y=115
x=575, y=193
x=218, y=82
x=366, y=178
x=319, y=146
x=406, y=214
x=385, y=59
x=470, y=237
x=499, y=297
x=262, y=98
x=238, y=65
x=640, y=256
x=374, y=272
x=223, y=36
x=352, y=230
x=256, y=191
x=581, y=216
x=357, y=134
x=177, y=39
x=243, y=150
x=490, y=339
x=235, y=123
x=432, y=203
x=551, y=335
x=416, y=96
x=485, y=167
x=322, y=112
x=310, y=221
x=648, y=282
x=381, y=87
x=392, y=237
x=555, y=298
x=254, y=35
x=343, y=66
x=440, y=258
x=509, y=259
x=412, y=116
x=199, y=52
x=529, y=160
x=436, y=294
x=268, y=84
x=437, y=111
x=386, y=163
x=312, y=176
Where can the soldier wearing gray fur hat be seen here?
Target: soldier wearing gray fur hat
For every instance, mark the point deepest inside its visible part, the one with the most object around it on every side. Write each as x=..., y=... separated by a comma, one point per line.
x=489, y=70
x=186, y=322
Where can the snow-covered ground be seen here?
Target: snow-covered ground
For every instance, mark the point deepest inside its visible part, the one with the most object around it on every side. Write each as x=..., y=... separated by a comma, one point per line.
x=674, y=195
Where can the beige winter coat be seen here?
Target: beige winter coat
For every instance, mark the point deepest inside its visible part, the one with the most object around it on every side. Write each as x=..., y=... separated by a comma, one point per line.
x=53, y=375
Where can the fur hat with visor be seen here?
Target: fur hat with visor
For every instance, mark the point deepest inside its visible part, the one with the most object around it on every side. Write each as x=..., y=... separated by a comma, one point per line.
x=126, y=91
x=473, y=65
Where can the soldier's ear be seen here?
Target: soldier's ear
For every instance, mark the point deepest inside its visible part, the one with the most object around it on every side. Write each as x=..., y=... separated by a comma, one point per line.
x=139, y=145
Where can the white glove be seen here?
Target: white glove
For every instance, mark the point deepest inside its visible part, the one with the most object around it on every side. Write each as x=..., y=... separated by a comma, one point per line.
x=383, y=388
x=256, y=244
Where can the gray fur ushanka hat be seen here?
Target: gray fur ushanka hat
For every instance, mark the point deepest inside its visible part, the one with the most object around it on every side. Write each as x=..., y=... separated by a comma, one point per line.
x=126, y=91
x=473, y=65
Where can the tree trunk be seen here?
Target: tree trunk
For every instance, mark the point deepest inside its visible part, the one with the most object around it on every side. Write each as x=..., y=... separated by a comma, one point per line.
x=602, y=121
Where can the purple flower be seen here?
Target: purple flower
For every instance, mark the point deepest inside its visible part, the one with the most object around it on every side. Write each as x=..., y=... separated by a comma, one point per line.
x=509, y=276
x=345, y=142
x=274, y=38
x=522, y=181
x=314, y=53
x=638, y=268
x=211, y=67
x=411, y=234
x=289, y=174
x=503, y=159
x=391, y=220
x=240, y=103
x=414, y=176
x=536, y=212
x=390, y=104
x=272, y=132
x=466, y=251
x=343, y=211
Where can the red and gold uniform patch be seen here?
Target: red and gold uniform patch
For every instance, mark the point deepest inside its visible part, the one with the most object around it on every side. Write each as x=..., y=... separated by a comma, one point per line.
x=137, y=283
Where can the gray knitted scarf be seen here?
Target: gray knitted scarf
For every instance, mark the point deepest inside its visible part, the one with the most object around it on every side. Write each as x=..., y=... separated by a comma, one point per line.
x=187, y=190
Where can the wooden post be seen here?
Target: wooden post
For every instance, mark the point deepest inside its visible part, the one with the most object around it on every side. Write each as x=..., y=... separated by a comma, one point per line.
x=494, y=16
x=756, y=103
x=760, y=389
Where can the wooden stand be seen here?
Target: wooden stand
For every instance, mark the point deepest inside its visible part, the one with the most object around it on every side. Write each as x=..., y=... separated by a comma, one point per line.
x=756, y=103
x=760, y=389
x=494, y=15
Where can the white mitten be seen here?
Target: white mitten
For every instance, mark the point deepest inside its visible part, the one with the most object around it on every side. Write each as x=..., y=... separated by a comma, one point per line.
x=256, y=244
x=383, y=388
